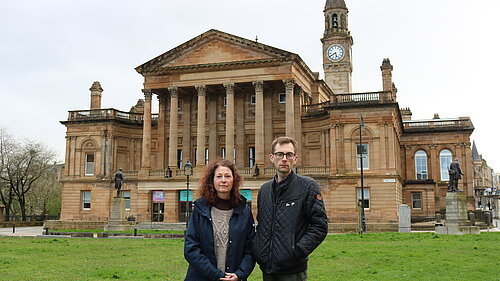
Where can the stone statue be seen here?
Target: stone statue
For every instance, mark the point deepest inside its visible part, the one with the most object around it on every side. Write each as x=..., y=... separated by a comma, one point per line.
x=455, y=174
x=118, y=181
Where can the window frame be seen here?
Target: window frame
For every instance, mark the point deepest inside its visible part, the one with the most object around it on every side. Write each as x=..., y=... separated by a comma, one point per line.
x=251, y=156
x=419, y=172
x=366, y=197
x=282, y=97
x=253, y=99
x=415, y=200
x=86, y=200
x=89, y=165
x=366, y=157
x=443, y=170
x=127, y=199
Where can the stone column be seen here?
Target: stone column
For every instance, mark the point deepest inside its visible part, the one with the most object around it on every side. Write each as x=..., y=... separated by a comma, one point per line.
x=146, y=131
x=160, y=157
x=259, y=123
x=229, y=121
x=289, y=115
x=174, y=120
x=200, y=136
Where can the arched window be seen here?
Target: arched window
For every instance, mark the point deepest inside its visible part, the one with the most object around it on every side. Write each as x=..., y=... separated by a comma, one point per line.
x=445, y=161
x=421, y=165
x=335, y=21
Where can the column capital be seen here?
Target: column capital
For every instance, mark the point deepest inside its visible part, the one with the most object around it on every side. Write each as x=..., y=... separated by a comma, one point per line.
x=148, y=93
x=259, y=85
x=201, y=90
x=289, y=83
x=229, y=88
x=173, y=92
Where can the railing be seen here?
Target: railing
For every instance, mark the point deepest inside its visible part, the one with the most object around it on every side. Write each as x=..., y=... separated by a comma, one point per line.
x=130, y=174
x=349, y=99
x=378, y=97
x=462, y=122
x=313, y=170
x=108, y=113
x=244, y=171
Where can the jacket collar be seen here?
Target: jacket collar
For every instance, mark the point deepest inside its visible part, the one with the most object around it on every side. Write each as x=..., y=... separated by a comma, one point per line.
x=205, y=208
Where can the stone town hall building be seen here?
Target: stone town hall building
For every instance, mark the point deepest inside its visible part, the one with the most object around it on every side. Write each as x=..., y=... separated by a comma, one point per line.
x=221, y=95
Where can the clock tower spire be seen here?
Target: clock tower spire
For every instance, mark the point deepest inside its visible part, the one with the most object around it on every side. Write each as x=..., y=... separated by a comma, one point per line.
x=337, y=46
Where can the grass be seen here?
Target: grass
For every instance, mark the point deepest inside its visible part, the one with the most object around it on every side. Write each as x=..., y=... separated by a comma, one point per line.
x=381, y=256
x=140, y=231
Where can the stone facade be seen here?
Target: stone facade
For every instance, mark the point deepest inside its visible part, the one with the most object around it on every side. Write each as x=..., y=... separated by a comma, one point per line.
x=221, y=95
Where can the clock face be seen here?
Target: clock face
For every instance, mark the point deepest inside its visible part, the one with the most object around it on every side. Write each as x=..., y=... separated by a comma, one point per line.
x=335, y=52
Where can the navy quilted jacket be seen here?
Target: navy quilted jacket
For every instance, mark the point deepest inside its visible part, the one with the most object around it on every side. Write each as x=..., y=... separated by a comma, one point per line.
x=292, y=222
x=199, y=243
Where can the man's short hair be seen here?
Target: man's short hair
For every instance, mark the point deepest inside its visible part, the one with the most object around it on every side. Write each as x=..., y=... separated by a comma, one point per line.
x=285, y=140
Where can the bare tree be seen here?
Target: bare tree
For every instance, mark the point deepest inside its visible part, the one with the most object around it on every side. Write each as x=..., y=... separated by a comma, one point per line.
x=44, y=199
x=6, y=192
x=22, y=166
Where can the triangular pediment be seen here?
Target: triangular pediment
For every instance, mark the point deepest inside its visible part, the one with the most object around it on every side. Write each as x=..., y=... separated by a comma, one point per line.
x=214, y=48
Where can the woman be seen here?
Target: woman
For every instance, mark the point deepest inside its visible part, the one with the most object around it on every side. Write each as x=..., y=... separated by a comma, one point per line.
x=219, y=234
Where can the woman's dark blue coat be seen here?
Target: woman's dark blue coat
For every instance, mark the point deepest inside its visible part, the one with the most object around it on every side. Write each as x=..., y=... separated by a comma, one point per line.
x=199, y=243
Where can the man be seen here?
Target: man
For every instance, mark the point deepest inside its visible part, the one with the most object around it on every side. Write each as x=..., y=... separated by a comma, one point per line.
x=292, y=219
x=455, y=174
x=118, y=181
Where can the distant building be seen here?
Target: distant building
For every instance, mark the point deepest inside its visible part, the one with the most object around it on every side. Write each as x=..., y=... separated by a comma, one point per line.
x=223, y=96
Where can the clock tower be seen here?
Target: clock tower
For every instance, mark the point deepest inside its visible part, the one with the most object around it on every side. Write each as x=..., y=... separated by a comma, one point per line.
x=337, y=47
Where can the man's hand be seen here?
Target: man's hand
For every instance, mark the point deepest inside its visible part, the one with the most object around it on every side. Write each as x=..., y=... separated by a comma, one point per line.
x=230, y=277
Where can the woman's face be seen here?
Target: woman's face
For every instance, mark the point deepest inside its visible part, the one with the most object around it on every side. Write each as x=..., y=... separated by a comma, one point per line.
x=223, y=182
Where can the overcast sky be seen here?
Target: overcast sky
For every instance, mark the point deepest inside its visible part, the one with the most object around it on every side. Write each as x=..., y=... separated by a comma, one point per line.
x=445, y=53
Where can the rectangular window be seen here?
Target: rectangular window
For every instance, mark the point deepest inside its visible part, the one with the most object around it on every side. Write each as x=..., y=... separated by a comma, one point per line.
x=179, y=158
x=251, y=156
x=126, y=195
x=86, y=200
x=363, y=150
x=253, y=99
x=225, y=101
x=247, y=193
x=223, y=153
x=185, y=204
x=206, y=156
x=416, y=200
x=282, y=98
x=365, y=196
x=89, y=164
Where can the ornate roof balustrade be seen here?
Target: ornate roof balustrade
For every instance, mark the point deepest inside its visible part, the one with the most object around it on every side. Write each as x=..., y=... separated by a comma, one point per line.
x=106, y=114
x=245, y=171
x=462, y=123
x=353, y=99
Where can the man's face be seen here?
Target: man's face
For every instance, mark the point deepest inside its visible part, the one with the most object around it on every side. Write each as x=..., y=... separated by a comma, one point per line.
x=284, y=165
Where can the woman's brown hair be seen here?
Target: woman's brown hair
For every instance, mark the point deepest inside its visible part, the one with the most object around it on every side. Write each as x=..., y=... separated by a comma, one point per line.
x=207, y=189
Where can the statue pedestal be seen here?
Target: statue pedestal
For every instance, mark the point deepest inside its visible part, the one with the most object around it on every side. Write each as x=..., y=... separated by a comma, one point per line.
x=117, y=220
x=456, y=216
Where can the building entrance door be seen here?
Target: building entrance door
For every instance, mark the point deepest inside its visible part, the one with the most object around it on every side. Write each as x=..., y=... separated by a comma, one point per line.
x=158, y=212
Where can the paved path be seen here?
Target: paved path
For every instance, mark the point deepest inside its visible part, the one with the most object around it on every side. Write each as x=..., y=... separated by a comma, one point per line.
x=31, y=231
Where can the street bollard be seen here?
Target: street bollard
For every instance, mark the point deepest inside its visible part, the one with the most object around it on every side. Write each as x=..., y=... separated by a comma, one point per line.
x=47, y=231
x=14, y=228
x=135, y=231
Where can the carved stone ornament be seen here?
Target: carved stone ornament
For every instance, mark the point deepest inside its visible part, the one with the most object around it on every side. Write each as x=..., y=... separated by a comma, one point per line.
x=259, y=86
x=173, y=92
x=202, y=90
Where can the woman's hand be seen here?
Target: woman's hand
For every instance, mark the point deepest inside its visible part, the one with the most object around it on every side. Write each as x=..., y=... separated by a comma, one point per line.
x=230, y=277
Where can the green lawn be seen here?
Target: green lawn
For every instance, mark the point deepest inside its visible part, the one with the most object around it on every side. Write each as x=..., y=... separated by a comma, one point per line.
x=381, y=256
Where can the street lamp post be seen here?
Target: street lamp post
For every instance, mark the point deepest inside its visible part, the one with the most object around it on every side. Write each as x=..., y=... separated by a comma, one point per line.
x=363, y=220
x=188, y=171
